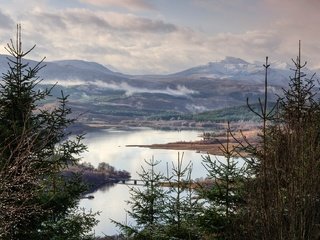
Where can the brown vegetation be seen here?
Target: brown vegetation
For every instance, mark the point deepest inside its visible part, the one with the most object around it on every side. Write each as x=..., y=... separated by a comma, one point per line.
x=205, y=146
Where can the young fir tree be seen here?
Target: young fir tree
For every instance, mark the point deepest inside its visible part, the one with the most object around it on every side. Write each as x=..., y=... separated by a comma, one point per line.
x=182, y=206
x=34, y=148
x=147, y=206
x=224, y=198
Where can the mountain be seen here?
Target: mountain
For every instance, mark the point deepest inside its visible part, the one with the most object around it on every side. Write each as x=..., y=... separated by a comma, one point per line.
x=103, y=94
x=67, y=69
x=237, y=69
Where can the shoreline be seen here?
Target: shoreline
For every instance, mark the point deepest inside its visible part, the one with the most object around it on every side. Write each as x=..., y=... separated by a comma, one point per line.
x=172, y=125
x=213, y=147
x=205, y=148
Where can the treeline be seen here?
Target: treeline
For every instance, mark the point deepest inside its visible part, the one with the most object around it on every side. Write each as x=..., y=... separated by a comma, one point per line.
x=231, y=114
x=274, y=195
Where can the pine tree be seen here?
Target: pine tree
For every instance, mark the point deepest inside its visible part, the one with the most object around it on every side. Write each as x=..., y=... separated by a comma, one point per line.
x=283, y=198
x=225, y=197
x=34, y=148
x=147, y=206
x=182, y=206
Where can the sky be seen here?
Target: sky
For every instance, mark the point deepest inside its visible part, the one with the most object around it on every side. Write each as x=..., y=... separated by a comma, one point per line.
x=163, y=36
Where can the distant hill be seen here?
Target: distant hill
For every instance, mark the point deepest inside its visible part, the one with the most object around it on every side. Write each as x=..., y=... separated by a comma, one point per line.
x=102, y=94
x=238, y=69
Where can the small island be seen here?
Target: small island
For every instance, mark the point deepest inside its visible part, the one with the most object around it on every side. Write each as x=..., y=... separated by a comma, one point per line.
x=95, y=178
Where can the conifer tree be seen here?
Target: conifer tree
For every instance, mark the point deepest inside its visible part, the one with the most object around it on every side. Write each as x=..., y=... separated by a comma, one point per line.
x=283, y=198
x=147, y=206
x=182, y=206
x=34, y=148
x=225, y=197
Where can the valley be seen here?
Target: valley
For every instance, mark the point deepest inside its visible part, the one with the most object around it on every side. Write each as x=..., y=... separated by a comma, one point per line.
x=198, y=97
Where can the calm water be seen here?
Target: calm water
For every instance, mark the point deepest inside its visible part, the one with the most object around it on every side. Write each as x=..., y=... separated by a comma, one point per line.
x=110, y=146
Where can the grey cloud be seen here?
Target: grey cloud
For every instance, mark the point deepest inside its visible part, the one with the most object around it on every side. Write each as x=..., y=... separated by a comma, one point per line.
x=149, y=25
x=127, y=22
x=137, y=45
x=102, y=21
x=127, y=4
x=105, y=50
x=120, y=22
x=6, y=22
x=85, y=17
x=51, y=20
x=132, y=23
x=68, y=18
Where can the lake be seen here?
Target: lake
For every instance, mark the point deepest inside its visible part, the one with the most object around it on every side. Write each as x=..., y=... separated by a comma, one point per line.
x=110, y=146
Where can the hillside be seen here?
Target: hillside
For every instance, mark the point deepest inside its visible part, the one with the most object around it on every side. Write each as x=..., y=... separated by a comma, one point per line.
x=102, y=95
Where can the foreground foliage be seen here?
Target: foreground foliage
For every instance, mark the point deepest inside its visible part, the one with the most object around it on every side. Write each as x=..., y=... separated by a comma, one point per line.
x=36, y=202
x=283, y=198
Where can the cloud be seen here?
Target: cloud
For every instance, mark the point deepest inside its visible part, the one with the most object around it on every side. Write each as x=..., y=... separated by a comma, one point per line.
x=223, y=5
x=66, y=19
x=152, y=43
x=127, y=4
x=50, y=20
x=6, y=22
x=294, y=6
x=129, y=90
x=129, y=42
x=296, y=20
x=129, y=22
x=301, y=15
x=83, y=18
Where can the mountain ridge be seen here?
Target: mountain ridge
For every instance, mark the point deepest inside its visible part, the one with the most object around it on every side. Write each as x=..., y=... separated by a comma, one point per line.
x=105, y=94
x=229, y=67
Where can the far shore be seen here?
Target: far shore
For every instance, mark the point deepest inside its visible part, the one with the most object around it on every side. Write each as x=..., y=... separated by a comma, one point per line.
x=210, y=148
x=249, y=130
x=213, y=147
x=171, y=125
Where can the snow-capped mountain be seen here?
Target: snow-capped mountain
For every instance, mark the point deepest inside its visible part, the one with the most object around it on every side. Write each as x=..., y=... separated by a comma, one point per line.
x=103, y=93
x=232, y=68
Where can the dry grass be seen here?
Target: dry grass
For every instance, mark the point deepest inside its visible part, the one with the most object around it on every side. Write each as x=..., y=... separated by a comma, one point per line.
x=202, y=146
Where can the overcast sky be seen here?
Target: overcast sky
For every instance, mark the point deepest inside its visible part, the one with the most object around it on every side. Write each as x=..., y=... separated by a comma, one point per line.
x=164, y=36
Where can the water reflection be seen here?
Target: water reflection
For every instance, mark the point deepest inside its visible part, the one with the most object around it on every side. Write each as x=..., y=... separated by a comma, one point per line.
x=110, y=146
x=105, y=188
x=110, y=202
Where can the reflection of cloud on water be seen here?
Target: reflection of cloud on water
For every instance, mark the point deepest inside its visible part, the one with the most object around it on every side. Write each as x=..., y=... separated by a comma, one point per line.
x=109, y=146
x=111, y=205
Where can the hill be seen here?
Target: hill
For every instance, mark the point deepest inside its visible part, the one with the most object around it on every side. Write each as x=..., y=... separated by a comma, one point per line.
x=103, y=95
